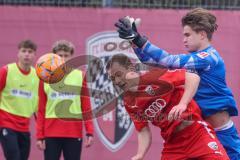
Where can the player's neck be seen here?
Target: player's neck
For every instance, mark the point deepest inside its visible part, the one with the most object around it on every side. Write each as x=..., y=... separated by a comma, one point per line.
x=204, y=45
x=25, y=68
x=134, y=82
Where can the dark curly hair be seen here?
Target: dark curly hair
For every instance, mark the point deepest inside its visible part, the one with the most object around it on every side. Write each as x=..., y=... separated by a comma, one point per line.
x=27, y=44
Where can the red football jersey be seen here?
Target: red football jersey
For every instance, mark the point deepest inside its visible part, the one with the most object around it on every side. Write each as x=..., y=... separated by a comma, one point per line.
x=155, y=97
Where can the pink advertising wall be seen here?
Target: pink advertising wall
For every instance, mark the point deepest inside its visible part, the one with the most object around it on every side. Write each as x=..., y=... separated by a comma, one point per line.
x=162, y=27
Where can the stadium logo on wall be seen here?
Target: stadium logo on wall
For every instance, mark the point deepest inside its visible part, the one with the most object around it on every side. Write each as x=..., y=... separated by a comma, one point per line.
x=113, y=126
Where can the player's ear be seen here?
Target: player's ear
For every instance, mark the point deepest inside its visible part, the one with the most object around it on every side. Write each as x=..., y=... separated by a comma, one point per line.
x=203, y=34
x=131, y=67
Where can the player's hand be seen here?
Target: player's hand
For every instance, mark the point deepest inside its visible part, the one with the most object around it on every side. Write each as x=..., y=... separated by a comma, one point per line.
x=89, y=141
x=176, y=112
x=127, y=29
x=137, y=157
x=41, y=144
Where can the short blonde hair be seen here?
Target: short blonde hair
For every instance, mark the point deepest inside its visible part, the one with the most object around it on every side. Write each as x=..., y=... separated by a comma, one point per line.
x=63, y=45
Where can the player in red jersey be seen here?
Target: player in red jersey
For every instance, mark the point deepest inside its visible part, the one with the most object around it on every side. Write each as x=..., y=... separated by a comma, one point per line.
x=58, y=131
x=149, y=97
x=18, y=102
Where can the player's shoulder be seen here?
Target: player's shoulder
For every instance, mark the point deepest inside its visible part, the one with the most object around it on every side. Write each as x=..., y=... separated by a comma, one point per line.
x=155, y=73
x=76, y=71
x=209, y=56
x=209, y=53
x=174, y=72
x=4, y=68
x=174, y=76
x=163, y=74
x=171, y=71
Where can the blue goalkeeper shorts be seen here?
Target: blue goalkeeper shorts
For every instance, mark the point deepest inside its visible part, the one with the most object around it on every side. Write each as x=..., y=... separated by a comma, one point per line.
x=230, y=141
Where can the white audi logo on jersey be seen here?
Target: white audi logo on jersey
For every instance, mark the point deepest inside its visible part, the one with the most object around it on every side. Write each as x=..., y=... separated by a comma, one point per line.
x=155, y=107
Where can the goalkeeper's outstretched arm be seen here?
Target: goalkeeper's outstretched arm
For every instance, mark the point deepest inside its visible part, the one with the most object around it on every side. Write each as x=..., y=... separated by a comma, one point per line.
x=151, y=54
x=198, y=24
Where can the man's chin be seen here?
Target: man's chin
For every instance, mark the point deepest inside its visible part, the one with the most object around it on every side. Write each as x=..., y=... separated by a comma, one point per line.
x=190, y=50
x=28, y=63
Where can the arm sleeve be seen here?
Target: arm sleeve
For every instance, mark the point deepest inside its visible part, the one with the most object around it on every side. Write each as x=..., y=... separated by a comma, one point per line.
x=86, y=108
x=153, y=55
x=3, y=77
x=176, y=77
x=138, y=120
x=41, y=111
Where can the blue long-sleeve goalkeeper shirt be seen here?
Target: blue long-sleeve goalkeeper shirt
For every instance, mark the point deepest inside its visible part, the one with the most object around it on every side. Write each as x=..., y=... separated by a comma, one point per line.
x=212, y=95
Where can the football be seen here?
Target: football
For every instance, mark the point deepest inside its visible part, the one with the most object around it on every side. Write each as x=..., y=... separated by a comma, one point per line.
x=50, y=68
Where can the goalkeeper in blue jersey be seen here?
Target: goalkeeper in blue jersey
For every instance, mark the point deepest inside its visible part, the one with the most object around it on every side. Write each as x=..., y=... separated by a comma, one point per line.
x=205, y=79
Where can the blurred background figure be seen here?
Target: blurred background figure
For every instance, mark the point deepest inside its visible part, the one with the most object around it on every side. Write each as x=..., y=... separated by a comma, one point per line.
x=19, y=91
x=60, y=122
